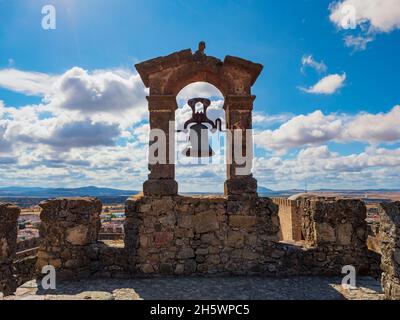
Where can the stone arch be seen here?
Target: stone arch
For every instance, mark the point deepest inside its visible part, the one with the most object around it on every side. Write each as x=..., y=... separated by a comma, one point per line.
x=166, y=76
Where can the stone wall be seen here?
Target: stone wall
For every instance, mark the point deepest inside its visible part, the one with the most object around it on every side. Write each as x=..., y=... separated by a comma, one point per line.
x=8, y=243
x=289, y=218
x=24, y=269
x=390, y=248
x=69, y=227
x=336, y=232
x=202, y=235
x=207, y=235
x=176, y=235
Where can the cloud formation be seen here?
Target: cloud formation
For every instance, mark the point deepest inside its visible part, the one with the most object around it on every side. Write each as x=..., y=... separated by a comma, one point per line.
x=27, y=82
x=358, y=43
x=308, y=61
x=322, y=168
x=371, y=16
x=302, y=130
x=374, y=128
x=316, y=128
x=379, y=15
x=327, y=85
x=77, y=136
x=101, y=91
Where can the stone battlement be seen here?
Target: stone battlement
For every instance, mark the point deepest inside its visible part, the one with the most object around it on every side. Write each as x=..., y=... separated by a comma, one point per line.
x=177, y=235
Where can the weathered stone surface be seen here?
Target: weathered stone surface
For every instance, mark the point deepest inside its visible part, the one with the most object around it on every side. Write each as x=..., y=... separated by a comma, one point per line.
x=344, y=234
x=160, y=187
x=390, y=248
x=77, y=236
x=69, y=227
x=242, y=222
x=205, y=222
x=8, y=244
x=324, y=233
x=203, y=234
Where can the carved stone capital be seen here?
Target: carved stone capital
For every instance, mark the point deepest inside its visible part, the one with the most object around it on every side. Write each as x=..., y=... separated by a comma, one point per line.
x=162, y=103
x=233, y=102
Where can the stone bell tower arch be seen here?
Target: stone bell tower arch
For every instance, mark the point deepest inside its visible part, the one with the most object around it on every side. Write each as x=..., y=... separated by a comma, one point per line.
x=166, y=76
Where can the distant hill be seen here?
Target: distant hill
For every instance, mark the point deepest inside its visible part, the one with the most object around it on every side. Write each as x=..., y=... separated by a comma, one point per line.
x=30, y=196
x=264, y=190
x=36, y=192
x=268, y=192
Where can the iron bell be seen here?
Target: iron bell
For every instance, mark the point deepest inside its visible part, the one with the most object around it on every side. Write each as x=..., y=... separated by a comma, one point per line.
x=198, y=142
x=198, y=146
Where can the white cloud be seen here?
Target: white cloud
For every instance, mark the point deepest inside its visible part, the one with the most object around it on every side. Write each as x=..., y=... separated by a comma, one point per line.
x=371, y=16
x=27, y=82
x=327, y=85
x=317, y=128
x=107, y=91
x=375, y=128
x=358, y=43
x=380, y=15
x=322, y=168
x=199, y=90
x=313, y=128
x=80, y=109
x=264, y=120
x=308, y=61
x=71, y=138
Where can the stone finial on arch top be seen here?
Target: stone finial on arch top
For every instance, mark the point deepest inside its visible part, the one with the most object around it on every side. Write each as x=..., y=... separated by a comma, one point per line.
x=168, y=74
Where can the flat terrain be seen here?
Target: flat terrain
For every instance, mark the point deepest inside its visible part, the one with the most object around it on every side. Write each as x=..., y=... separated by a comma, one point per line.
x=187, y=288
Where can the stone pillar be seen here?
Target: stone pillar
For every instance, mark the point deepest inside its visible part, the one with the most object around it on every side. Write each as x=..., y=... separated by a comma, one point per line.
x=162, y=175
x=238, y=110
x=390, y=247
x=69, y=226
x=8, y=244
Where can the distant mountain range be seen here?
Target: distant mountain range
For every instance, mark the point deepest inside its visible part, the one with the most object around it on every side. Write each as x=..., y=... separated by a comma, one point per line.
x=265, y=191
x=92, y=191
x=36, y=192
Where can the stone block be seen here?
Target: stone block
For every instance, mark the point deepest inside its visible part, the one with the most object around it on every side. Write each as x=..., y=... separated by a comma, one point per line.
x=78, y=236
x=162, y=239
x=242, y=222
x=205, y=222
x=344, y=234
x=324, y=233
x=160, y=187
x=185, y=253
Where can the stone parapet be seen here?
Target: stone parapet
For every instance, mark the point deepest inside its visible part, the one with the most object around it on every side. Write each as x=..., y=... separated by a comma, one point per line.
x=336, y=232
x=199, y=235
x=69, y=227
x=390, y=248
x=8, y=245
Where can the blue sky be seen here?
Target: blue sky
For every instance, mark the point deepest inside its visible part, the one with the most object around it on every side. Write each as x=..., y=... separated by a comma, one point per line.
x=321, y=90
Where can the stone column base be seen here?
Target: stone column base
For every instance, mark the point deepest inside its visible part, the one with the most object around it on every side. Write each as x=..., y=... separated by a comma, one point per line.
x=160, y=187
x=200, y=235
x=240, y=185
